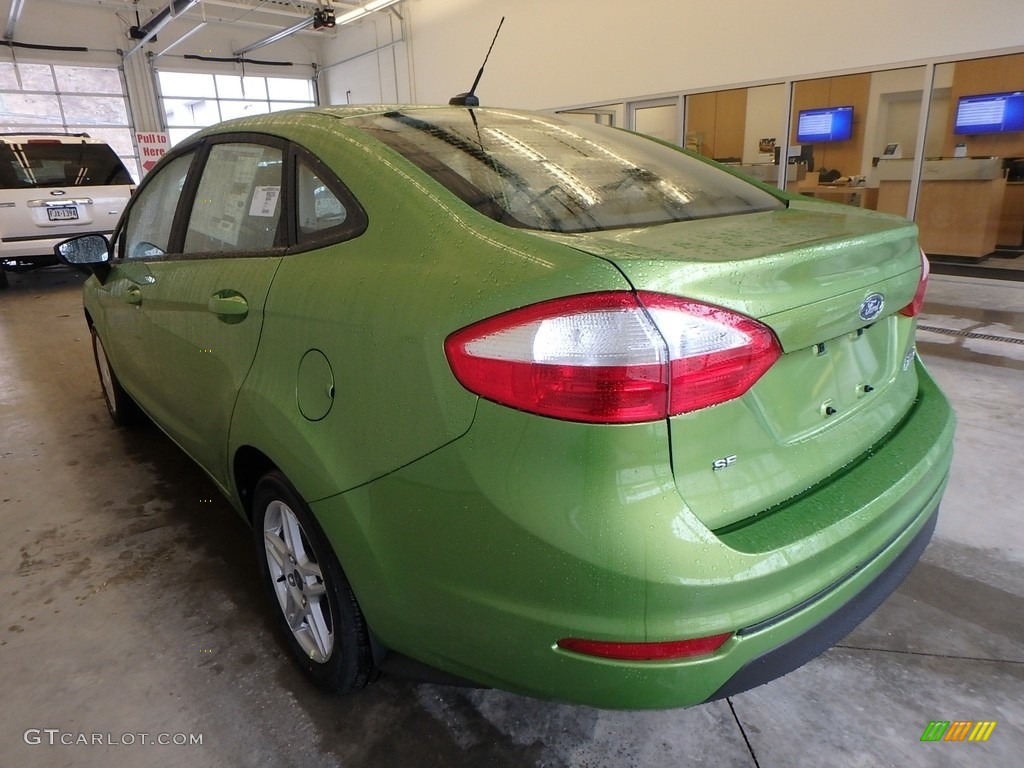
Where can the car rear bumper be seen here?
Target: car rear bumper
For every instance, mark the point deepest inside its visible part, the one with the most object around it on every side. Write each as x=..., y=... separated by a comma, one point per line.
x=798, y=650
x=480, y=557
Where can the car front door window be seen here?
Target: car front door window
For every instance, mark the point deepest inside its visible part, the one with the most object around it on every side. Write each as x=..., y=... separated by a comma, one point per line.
x=147, y=230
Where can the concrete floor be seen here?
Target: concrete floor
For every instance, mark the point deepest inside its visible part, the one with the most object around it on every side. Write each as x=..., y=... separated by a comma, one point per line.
x=131, y=604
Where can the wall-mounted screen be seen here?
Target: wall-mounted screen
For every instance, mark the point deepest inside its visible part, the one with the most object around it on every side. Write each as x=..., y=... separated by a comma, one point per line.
x=825, y=124
x=990, y=113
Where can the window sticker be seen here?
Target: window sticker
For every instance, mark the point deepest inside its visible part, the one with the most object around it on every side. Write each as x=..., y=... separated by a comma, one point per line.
x=264, y=201
x=224, y=190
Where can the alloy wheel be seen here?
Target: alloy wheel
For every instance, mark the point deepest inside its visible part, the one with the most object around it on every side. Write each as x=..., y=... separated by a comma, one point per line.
x=298, y=582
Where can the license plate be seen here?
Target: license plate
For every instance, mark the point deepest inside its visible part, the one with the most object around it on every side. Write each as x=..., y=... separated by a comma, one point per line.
x=62, y=213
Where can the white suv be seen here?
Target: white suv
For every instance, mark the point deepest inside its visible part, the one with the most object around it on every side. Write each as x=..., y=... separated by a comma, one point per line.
x=53, y=186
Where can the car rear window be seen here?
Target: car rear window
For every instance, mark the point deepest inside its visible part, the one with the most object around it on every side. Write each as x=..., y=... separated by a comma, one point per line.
x=47, y=163
x=548, y=174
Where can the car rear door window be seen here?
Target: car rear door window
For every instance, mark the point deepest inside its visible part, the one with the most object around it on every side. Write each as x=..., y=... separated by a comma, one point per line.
x=238, y=201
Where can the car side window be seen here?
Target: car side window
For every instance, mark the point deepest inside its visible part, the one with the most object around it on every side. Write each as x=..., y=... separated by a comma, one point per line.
x=325, y=210
x=319, y=209
x=238, y=202
x=147, y=230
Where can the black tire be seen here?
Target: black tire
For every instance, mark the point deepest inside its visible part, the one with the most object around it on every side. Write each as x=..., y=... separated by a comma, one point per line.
x=327, y=635
x=120, y=406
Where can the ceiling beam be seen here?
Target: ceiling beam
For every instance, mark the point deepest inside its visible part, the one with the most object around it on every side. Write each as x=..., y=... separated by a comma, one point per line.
x=279, y=35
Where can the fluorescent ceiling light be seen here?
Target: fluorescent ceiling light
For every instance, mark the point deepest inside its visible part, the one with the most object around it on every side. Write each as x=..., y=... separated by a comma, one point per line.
x=358, y=13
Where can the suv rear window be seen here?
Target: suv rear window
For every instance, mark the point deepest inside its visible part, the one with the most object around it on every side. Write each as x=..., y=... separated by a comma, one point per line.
x=47, y=163
x=551, y=175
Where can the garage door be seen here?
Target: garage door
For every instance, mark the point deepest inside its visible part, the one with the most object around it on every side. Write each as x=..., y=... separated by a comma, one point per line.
x=52, y=98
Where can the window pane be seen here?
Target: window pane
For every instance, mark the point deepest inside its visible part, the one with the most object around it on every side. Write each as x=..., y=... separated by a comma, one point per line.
x=281, y=106
x=148, y=231
x=95, y=110
x=193, y=85
x=39, y=110
x=229, y=87
x=133, y=167
x=232, y=97
x=178, y=135
x=87, y=80
x=230, y=109
x=289, y=89
x=319, y=208
x=8, y=77
x=120, y=139
x=35, y=77
x=191, y=112
x=970, y=203
x=46, y=110
x=659, y=121
x=238, y=203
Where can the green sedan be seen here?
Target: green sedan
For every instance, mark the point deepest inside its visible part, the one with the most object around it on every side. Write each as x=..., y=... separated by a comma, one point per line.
x=529, y=403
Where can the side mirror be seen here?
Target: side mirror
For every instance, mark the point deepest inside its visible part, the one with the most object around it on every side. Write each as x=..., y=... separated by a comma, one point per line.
x=88, y=253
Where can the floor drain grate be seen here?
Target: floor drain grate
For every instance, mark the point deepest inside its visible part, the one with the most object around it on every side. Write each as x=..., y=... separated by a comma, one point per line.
x=969, y=334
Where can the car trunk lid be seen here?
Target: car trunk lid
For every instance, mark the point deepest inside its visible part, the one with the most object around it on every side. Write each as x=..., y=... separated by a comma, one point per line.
x=829, y=281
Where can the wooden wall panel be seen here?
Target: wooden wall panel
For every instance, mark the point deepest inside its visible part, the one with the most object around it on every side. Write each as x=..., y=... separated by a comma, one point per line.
x=719, y=120
x=730, y=123
x=700, y=122
x=810, y=94
x=993, y=75
x=847, y=90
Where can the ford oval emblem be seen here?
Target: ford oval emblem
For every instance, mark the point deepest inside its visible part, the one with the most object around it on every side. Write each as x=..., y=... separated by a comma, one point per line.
x=871, y=307
x=58, y=192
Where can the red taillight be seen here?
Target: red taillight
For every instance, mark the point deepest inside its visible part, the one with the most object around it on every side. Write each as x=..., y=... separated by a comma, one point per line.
x=674, y=649
x=612, y=358
x=914, y=307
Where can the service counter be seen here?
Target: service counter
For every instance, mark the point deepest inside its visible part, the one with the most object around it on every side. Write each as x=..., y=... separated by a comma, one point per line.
x=1011, y=221
x=960, y=206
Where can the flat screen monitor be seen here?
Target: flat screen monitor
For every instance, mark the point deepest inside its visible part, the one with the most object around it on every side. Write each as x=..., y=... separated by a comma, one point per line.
x=825, y=124
x=990, y=113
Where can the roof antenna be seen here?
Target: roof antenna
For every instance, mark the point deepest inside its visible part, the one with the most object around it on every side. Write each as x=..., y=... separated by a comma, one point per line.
x=470, y=99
